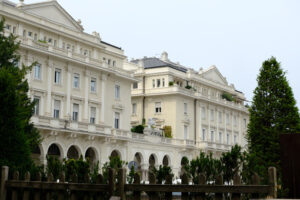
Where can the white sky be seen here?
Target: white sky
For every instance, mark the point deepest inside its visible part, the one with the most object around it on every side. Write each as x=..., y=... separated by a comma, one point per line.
x=235, y=35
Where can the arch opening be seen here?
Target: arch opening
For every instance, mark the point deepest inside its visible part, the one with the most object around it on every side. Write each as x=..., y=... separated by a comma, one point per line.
x=73, y=153
x=166, y=161
x=152, y=161
x=54, y=150
x=138, y=159
x=91, y=156
x=115, y=153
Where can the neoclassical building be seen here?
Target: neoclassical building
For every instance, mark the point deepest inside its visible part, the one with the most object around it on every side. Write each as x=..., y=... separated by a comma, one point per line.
x=82, y=87
x=201, y=108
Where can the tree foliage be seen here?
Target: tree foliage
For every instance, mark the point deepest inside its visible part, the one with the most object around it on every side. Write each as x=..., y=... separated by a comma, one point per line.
x=18, y=137
x=273, y=112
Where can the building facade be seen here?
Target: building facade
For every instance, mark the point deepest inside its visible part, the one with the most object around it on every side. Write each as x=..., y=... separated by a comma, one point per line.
x=201, y=108
x=82, y=87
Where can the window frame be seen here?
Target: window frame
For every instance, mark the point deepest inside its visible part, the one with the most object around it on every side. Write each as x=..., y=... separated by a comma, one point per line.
x=158, y=108
x=57, y=76
x=56, y=112
x=37, y=101
x=117, y=117
x=117, y=91
x=75, y=115
x=76, y=76
x=93, y=111
x=39, y=72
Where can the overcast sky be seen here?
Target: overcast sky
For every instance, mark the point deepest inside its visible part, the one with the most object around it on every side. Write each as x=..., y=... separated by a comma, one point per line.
x=236, y=36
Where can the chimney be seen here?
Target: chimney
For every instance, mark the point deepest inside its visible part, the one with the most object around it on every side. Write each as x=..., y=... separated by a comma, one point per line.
x=164, y=56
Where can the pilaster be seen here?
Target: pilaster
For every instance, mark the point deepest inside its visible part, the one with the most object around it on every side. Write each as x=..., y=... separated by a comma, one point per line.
x=86, y=96
x=49, y=88
x=103, y=92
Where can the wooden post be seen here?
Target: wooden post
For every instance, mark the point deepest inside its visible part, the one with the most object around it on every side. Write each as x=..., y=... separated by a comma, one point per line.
x=62, y=179
x=111, y=181
x=273, y=182
x=74, y=179
x=26, y=192
x=121, y=183
x=255, y=180
x=4, y=178
x=185, y=181
x=236, y=181
x=201, y=181
x=86, y=180
x=14, y=194
x=37, y=193
x=49, y=179
x=219, y=181
x=168, y=195
x=99, y=180
x=137, y=181
x=152, y=180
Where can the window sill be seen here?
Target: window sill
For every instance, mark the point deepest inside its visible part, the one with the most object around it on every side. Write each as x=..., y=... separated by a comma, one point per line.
x=58, y=84
x=37, y=79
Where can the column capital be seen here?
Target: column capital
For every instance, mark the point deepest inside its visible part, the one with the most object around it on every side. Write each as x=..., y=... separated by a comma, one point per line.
x=104, y=77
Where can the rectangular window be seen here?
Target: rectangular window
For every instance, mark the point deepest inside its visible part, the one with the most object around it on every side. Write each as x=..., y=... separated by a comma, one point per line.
x=56, y=109
x=54, y=43
x=36, y=105
x=227, y=138
x=114, y=63
x=75, y=112
x=24, y=33
x=108, y=61
x=35, y=37
x=93, y=85
x=227, y=119
x=14, y=30
x=245, y=123
x=185, y=108
x=134, y=108
x=57, y=74
x=117, y=120
x=220, y=117
x=7, y=26
x=93, y=115
x=212, y=134
x=37, y=71
x=212, y=117
x=135, y=85
x=29, y=33
x=117, y=91
x=158, y=107
x=163, y=82
x=153, y=83
x=76, y=81
x=157, y=82
x=49, y=40
x=203, y=113
x=203, y=134
x=185, y=132
x=220, y=137
x=235, y=139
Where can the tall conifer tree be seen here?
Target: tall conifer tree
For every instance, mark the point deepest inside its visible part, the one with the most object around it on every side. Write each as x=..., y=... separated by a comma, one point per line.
x=272, y=113
x=18, y=137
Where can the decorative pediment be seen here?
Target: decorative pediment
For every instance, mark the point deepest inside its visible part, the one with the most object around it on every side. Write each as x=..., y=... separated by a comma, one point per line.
x=213, y=74
x=52, y=11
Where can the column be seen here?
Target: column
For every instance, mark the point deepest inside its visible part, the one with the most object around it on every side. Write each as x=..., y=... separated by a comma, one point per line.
x=218, y=123
x=232, y=132
x=20, y=30
x=86, y=97
x=103, y=88
x=200, y=122
x=209, y=130
x=69, y=83
x=49, y=88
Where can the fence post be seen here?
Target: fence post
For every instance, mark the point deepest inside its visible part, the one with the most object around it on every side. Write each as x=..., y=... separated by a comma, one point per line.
x=201, y=181
x=273, y=182
x=236, y=182
x=137, y=181
x=121, y=183
x=74, y=179
x=111, y=181
x=255, y=180
x=14, y=194
x=168, y=195
x=184, y=181
x=152, y=180
x=99, y=180
x=62, y=179
x=26, y=192
x=87, y=181
x=37, y=192
x=4, y=178
x=219, y=181
x=49, y=179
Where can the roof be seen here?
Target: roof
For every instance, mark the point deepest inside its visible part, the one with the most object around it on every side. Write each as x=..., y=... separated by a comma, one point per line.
x=111, y=45
x=157, y=63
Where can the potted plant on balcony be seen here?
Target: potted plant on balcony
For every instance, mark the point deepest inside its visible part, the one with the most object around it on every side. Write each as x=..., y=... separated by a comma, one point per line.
x=171, y=83
x=228, y=96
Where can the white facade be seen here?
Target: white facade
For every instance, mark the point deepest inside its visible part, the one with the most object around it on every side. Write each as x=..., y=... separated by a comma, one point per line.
x=82, y=87
x=190, y=102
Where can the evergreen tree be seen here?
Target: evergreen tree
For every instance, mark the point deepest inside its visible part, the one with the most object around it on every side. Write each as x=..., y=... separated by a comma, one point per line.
x=272, y=113
x=17, y=135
